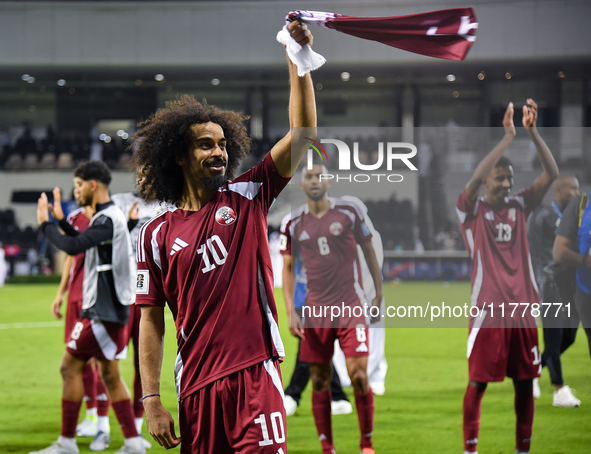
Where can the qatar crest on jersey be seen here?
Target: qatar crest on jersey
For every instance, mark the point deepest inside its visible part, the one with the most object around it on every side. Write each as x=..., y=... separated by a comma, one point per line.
x=225, y=216
x=513, y=214
x=336, y=228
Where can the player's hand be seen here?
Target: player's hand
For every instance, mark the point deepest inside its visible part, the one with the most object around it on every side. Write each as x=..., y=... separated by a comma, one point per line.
x=160, y=423
x=296, y=327
x=530, y=114
x=134, y=211
x=300, y=33
x=508, y=121
x=42, y=213
x=56, y=208
x=376, y=302
x=56, y=306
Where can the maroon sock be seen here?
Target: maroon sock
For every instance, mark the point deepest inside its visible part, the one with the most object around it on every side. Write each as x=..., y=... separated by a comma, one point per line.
x=322, y=418
x=524, y=410
x=70, y=411
x=102, y=399
x=365, y=410
x=124, y=415
x=89, y=379
x=138, y=407
x=472, y=404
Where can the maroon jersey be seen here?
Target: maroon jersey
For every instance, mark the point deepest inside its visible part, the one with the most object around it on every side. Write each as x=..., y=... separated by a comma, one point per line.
x=80, y=222
x=213, y=267
x=502, y=271
x=328, y=246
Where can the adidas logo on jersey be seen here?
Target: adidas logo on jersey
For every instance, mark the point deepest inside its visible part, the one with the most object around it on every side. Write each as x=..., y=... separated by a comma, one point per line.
x=304, y=236
x=72, y=345
x=362, y=348
x=178, y=245
x=490, y=216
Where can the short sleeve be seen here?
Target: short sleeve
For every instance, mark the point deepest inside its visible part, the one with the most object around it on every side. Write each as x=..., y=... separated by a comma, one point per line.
x=285, y=236
x=262, y=184
x=466, y=208
x=149, y=288
x=360, y=228
x=569, y=224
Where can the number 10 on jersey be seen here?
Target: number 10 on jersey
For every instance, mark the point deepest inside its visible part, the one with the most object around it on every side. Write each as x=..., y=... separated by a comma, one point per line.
x=218, y=258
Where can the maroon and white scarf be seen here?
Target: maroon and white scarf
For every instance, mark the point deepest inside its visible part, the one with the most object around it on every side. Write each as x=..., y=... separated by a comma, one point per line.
x=445, y=34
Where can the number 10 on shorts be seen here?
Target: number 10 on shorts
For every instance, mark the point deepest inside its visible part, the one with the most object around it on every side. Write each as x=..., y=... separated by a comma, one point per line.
x=278, y=428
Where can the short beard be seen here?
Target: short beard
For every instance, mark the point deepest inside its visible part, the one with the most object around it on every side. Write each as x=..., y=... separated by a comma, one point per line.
x=317, y=197
x=214, y=183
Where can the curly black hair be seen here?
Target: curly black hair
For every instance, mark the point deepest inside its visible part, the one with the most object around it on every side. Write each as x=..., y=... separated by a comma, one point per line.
x=167, y=136
x=94, y=170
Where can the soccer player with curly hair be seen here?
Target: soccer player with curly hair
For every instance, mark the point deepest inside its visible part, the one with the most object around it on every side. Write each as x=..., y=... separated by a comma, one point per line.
x=208, y=258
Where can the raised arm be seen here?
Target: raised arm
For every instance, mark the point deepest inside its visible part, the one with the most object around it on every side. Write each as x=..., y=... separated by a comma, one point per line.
x=490, y=160
x=302, y=111
x=543, y=182
x=151, y=348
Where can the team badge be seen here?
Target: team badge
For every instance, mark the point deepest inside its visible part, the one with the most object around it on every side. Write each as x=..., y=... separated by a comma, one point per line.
x=142, y=286
x=225, y=216
x=336, y=228
x=512, y=214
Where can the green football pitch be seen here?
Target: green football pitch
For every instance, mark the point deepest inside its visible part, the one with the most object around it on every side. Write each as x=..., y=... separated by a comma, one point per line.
x=421, y=411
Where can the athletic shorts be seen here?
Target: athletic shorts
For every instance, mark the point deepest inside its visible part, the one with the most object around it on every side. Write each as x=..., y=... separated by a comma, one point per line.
x=242, y=413
x=96, y=339
x=499, y=348
x=72, y=315
x=318, y=344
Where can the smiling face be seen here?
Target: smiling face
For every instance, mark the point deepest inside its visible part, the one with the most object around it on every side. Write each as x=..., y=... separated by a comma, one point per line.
x=207, y=159
x=498, y=184
x=311, y=184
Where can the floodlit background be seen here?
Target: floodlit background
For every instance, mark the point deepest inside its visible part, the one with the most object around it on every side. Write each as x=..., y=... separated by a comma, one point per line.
x=77, y=76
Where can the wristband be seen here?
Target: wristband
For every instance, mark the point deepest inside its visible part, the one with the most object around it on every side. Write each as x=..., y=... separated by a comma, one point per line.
x=149, y=395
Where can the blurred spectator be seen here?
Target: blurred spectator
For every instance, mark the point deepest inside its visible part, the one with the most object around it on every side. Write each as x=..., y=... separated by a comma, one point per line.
x=25, y=144
x=4, y=146
x=33, y=259
x=50, y=144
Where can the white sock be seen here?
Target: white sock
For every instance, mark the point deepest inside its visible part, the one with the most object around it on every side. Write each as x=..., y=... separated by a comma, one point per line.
x=103, y=424
x=139, y=422
x=91, y=412
x=66, y=441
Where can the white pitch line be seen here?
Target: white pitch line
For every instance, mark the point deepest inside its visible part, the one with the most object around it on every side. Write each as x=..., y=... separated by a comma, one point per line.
x=46, y=324
x=31, y=325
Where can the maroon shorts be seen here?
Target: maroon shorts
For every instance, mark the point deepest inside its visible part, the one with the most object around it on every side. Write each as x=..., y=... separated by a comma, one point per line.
x=503, y=348
x=95, y=339
x=318, y=343
x=72, y=314
x=242, y=413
